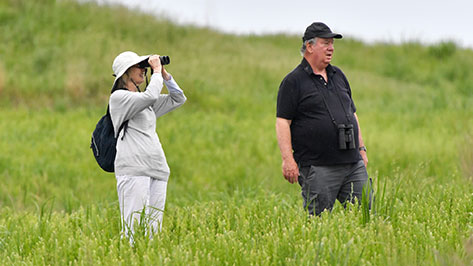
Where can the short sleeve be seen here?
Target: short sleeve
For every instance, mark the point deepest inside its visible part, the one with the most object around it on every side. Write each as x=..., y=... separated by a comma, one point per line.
x=287, y=99
x=347, y=84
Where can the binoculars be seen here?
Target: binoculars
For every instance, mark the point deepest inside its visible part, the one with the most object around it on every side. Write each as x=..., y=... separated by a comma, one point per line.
x=346, y=137
x=165, y=60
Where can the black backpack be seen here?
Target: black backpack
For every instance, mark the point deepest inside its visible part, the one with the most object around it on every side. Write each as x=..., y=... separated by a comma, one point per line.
x=104, y=143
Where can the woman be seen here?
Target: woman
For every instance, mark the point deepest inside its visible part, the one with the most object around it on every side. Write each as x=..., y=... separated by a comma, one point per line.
x=140, y=164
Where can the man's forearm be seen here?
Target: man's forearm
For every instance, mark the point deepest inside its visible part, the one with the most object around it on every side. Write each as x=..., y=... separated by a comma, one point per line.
x=360, y=138
x=361, y=143
x=289, y=167
x=283, y=133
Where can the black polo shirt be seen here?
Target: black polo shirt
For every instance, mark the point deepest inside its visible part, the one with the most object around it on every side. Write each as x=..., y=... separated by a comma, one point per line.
x=313, y=134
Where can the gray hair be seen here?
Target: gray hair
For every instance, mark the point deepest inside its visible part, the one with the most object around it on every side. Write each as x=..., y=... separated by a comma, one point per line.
x=304, y=44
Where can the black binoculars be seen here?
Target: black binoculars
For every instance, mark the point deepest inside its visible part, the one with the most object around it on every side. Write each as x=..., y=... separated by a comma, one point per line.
x=165, y=60
x=346, y=137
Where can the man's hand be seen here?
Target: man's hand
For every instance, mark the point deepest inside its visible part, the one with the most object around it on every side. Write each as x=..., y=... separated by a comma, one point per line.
x=290, y=170
x=365, y=157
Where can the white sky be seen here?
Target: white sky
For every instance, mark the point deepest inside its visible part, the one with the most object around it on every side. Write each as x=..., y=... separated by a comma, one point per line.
x=427, y=21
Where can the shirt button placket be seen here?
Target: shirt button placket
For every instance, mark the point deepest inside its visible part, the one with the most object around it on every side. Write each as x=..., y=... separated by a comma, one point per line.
x=321, y=79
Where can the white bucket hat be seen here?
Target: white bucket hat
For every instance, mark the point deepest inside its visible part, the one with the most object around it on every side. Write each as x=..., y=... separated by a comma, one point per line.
x=123, y=62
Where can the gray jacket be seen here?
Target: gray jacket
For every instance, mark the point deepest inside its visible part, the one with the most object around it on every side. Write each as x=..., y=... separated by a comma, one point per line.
x=140, y=152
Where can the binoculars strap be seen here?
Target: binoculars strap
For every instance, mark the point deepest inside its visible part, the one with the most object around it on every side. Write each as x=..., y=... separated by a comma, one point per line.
x=326, y=104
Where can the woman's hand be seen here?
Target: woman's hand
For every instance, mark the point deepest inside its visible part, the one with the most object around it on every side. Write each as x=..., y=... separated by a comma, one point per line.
x=155, y=63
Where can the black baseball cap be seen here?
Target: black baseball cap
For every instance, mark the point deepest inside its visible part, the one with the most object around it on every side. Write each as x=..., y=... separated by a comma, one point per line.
x=319, y=29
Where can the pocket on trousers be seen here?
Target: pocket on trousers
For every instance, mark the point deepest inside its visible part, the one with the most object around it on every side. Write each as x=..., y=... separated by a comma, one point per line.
x=312, y=173
x=303, y=172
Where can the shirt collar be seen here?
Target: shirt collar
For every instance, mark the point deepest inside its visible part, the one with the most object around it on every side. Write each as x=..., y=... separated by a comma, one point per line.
x=308, y=69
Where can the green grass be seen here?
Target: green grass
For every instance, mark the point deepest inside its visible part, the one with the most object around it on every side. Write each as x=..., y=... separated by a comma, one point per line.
x=227, y=200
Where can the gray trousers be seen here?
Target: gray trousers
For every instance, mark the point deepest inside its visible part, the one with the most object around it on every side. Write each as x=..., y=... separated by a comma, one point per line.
x=322, y=185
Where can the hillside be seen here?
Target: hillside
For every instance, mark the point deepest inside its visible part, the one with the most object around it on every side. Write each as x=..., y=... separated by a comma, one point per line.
x=61, y=51
x=227, y=201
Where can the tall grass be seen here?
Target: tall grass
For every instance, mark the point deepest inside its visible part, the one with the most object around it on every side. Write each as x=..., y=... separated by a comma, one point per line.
x=227, y=201
x=242, y=231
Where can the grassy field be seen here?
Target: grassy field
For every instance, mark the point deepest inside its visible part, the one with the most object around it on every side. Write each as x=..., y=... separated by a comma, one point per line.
x=227, y=200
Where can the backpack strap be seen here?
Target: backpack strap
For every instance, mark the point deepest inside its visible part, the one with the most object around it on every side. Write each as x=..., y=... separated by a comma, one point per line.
x=124, y=125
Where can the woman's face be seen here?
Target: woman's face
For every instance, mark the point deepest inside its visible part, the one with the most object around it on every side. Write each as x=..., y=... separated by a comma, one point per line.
x=137, y=74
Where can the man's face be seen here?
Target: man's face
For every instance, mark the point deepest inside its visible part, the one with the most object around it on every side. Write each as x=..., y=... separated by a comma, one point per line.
x=323, y=50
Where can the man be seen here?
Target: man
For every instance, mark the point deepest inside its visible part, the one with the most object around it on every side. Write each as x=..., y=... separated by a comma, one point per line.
x=317, y=128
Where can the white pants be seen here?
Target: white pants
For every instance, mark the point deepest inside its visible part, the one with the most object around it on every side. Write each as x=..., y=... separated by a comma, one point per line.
x=139, y=195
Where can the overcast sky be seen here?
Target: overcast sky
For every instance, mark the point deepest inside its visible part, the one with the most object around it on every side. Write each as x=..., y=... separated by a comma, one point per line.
x=428, y=21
